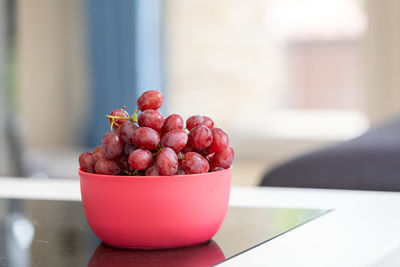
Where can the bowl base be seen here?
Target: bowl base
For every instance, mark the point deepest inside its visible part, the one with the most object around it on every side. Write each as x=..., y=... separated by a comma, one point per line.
x=153, y=248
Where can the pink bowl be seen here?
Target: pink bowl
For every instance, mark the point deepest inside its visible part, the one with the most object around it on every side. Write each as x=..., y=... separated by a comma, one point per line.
x=152, y=212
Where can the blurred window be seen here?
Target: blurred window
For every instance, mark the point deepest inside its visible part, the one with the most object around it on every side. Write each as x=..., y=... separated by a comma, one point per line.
x=270, y=69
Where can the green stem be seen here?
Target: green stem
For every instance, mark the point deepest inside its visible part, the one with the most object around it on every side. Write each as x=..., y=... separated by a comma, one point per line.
x=117, y=117
x=158, y=150
x=132, y=118
x=112, y=125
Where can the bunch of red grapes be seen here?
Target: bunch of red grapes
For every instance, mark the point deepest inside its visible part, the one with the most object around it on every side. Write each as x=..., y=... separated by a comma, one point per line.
x=150, y=145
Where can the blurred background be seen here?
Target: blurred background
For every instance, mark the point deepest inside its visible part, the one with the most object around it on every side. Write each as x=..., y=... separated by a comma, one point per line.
x=282, y=77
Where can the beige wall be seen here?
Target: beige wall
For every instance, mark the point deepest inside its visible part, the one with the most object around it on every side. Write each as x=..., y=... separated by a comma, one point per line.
x=4, y=153
x=220, y=53
x=51, y=72
x=382, y=59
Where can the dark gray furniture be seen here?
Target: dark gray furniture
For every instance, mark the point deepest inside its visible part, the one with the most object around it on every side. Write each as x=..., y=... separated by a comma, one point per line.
x=369, y=162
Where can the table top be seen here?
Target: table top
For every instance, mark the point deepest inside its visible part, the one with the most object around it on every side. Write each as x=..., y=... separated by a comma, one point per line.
x=361, y=230
x=56, y=233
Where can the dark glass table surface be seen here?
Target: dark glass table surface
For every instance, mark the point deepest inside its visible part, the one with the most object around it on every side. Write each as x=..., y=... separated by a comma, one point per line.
x=55, y=233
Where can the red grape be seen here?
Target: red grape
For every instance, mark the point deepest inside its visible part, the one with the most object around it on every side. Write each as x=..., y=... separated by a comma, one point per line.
x=119, y=113
x=146, y=138
x=126, y=131
x=194, y=121
x=151, y=118
x=152, y=171
x=86, y=162
x=223, y=159
x=218, y=169
x=208, y=122
x=172, y=122
x=200, y=137
x=128, y=149
x=107, y=166
x=132, y=142
x=203, y=151
x=209, y=157
x=180, y=156
x=123, y=161
x=112, y=145
x=167, y=161
x=175, y=139
x=116, y=130
x=97, y=154
x=187, y=148
x=220, y=141
x=150, y=100
x=195, y=163
x=140, y=159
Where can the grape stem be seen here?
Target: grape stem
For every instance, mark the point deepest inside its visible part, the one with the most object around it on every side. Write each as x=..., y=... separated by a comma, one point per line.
x=158, y=151
x=131, y=173
x=132, y=118
x=118, y=118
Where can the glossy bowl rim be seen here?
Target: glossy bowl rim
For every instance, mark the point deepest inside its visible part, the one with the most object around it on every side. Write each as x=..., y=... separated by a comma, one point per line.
x=150, y=178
